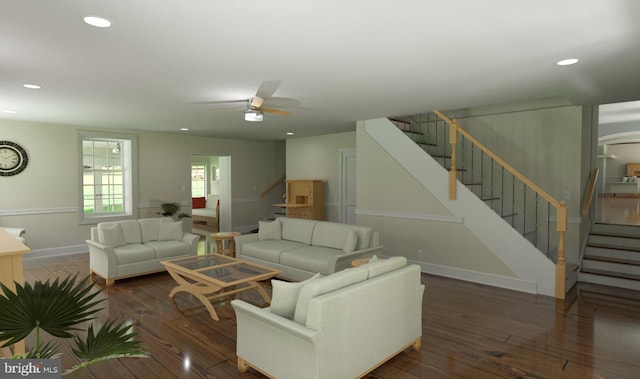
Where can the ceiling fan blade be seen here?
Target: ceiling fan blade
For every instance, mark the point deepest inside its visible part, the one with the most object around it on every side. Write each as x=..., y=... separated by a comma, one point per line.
x=222, y=102
x=275, y=111
x=256, y=102
x=268, y=88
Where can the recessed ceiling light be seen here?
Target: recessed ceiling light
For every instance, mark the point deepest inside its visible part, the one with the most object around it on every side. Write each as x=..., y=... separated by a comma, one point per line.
x=290, y=133
x=567, y=62
x=31, y=86
x=184, y=129
x=8, y=111
x=98, y=22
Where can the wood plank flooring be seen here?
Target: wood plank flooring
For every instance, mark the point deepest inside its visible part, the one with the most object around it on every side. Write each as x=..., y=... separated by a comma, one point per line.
x=469, y=331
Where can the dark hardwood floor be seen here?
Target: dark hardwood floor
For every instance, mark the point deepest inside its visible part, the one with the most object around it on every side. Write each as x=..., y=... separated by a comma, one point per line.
x=469, y=331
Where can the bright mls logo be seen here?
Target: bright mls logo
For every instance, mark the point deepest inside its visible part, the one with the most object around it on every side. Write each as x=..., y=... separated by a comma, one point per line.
x=30, y=368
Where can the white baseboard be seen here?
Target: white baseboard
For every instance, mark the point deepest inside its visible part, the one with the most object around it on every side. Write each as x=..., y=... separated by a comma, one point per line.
x=478, y=277
x=57, y=251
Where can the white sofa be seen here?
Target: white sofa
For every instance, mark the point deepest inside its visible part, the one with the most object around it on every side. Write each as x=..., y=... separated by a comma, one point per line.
x=122, y=249
x=301, y=248
x=343, y=325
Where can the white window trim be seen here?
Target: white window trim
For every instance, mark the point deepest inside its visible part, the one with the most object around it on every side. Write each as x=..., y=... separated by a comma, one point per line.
x=131, y=161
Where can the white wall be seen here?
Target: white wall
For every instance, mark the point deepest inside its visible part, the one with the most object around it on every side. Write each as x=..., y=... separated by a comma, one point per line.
x=319, y=158
x=44, y=198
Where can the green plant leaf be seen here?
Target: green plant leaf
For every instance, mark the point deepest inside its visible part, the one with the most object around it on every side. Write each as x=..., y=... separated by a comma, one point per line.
x=54, y=307
x=111, y=341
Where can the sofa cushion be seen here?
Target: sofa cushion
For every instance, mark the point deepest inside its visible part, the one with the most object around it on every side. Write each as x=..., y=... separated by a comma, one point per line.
x=331, y=234
x=380, y=266
x=149, y=228
x=270, y=250
x=168, y=249
x=364, y=236
x=133, y=253
x=269, y=230
x=298, y=230
x=131, y=231
x=111, y=234
x=198, y=202
x=351, y=243
x=170, y=231
x=284, y=296
x=324, y=285
x=311, y=258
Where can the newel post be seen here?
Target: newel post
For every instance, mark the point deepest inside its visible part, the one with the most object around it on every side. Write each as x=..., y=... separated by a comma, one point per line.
x=453, y=171
x=561, y=227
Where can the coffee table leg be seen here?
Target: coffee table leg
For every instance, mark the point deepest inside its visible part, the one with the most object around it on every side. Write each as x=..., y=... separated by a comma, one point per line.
x=262, y=292
x=198, y=291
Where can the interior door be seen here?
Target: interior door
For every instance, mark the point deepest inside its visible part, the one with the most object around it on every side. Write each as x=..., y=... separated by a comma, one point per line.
x=348, y=186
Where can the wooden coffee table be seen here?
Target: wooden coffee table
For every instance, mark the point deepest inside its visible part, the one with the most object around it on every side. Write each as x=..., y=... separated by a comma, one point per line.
x=212, y=276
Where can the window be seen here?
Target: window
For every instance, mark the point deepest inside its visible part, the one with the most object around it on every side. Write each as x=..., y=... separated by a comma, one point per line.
x=198, y=180
x=107, y=177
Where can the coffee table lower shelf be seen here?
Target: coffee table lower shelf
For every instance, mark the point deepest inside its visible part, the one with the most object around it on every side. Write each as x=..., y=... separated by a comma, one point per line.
x=212, y=276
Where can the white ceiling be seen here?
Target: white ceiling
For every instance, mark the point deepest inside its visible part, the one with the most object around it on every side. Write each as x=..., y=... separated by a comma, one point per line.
x=335, y=61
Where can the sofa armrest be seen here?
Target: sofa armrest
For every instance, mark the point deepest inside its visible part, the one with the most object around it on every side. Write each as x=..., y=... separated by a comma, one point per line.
x=252, y=313
x=102, y=259
x=192, y=241
x=242, y=239
x=343, y=261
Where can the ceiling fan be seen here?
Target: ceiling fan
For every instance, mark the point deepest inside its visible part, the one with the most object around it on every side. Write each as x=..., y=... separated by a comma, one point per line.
x=254, y=108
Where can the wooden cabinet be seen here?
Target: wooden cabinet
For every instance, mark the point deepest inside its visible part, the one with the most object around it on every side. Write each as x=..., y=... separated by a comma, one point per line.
x=305, y=199
x=633, y=169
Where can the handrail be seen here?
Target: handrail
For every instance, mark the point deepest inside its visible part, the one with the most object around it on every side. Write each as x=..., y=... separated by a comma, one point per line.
x=561, y=207
x=490, y=153
x=272, y=186
x=590, y=190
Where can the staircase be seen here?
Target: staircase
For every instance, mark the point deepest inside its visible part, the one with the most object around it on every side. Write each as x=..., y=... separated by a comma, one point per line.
x=612, y=256
x=515, y=202
x=529, y=210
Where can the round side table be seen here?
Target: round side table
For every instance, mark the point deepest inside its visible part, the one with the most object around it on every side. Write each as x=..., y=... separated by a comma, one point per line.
x=220, y=239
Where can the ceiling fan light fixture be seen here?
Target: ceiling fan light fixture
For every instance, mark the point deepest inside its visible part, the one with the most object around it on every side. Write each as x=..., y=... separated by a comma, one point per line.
x=253, y=115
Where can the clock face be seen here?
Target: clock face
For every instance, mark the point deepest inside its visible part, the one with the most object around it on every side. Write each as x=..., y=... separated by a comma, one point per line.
x=13, y=158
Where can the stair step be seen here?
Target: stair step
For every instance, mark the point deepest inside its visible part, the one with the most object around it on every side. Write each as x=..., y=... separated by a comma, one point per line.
x=612, y=253
x=440, y=156
x=601, y=258
x=613, y=246
x=609, y=280
x=473, y=184
x=615, y=230
x=622, y=297
x=613, y=274
x=620, y=268
x=490, y=198
x=426, y=144
x=613, y=242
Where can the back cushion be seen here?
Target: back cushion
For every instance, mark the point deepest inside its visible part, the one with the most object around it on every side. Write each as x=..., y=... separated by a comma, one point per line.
x=364, y=236
x=149, y=228
x=111, y=234
x=213, y=201
x=170, y=231
x=381, y=266
x=324, y=285
x=298, y=230
x=331, y=234
x=198, y=202
x=131, y=231
x=269, y=230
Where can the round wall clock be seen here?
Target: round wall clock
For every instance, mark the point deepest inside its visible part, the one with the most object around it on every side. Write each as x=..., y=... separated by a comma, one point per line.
x=13, y=158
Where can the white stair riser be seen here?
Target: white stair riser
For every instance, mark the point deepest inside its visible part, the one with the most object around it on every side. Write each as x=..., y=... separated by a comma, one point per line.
x=609, y=281
x=613, y=253
x=614, y=241
x=611, y=266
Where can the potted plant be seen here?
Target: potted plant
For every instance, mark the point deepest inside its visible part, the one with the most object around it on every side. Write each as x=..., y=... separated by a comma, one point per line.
x=63, y=309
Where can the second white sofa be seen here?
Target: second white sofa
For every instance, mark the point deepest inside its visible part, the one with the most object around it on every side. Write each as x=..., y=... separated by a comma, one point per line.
x=302, y=248
x=122, y=249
